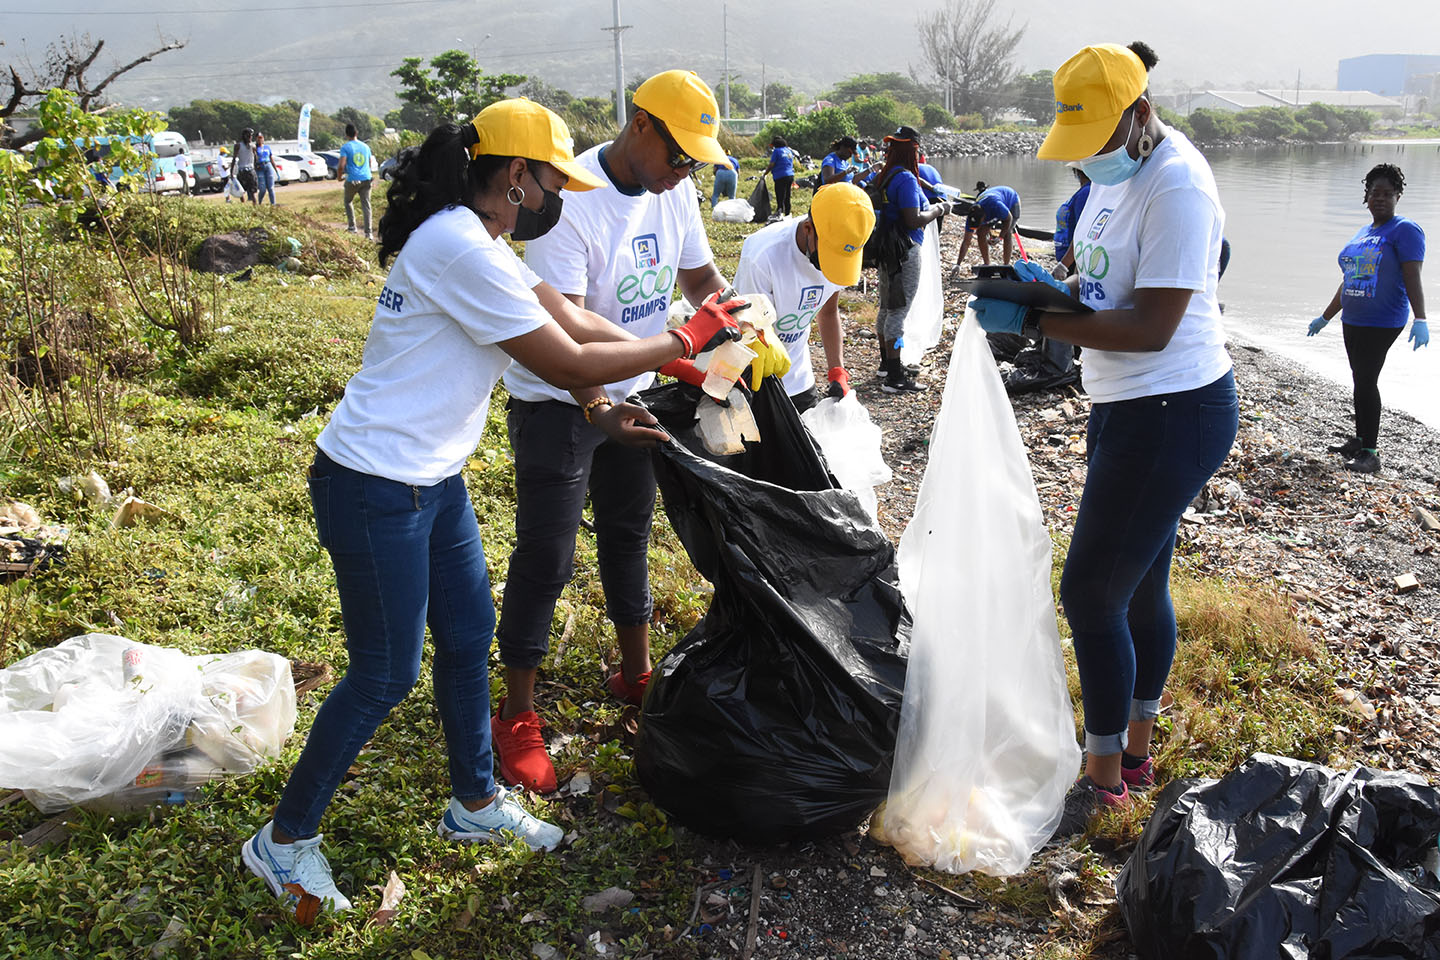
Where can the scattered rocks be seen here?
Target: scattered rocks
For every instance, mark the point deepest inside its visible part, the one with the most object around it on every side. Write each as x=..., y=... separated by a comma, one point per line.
x=231, y=252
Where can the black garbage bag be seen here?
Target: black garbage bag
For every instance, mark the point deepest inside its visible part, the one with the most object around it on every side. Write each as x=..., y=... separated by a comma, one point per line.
x=760, y=202
x=775, y=718
x=1286, y=859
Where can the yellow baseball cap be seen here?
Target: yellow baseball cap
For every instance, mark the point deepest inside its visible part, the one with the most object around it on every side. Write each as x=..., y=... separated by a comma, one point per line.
x=683, y=102
x=1092, y=89
x=523, y=128
x=843, y=218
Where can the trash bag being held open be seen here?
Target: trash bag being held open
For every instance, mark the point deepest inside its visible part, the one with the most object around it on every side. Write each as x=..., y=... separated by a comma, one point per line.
x=775, y=718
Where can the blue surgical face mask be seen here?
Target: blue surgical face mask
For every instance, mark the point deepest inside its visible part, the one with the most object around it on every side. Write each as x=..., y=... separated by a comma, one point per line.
x=1114, y=167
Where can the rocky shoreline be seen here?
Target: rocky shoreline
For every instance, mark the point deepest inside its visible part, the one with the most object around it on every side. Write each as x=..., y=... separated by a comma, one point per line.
x=1015, y=142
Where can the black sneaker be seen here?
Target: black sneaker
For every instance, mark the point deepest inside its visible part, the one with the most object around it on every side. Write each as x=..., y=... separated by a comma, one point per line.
x=1366, y=461
x=1349, y=449
x=911, y=369
x=1081, y=801
x=904, y=383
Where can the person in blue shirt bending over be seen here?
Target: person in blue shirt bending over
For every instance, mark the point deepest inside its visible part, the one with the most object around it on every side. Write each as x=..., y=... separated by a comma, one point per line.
x=996, y=207
x=727, y=178
x=838, y=167
x=355, y=168
x=1380, y=286
x=782, y=170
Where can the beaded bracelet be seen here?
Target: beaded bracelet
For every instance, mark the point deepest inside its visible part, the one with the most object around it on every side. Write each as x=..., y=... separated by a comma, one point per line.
x=593, y=404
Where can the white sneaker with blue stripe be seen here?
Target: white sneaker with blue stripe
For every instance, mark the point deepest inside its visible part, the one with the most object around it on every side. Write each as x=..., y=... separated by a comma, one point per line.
x=497, y=823
x=300, y=863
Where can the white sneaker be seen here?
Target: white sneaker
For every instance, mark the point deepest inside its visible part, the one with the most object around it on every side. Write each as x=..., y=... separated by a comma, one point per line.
x=503, y=818
x=300, y=862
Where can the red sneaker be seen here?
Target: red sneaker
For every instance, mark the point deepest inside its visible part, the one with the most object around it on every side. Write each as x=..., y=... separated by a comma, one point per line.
x=520, y=749
x=629, y=692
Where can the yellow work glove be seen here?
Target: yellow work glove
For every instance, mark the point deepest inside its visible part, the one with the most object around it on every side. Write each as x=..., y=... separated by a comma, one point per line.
x=770, y=357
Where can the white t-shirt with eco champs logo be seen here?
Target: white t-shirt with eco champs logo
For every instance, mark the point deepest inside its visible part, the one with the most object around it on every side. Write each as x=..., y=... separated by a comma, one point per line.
x=1161, y=228
x=416, y=409
x=623, y=254
x=771, y=263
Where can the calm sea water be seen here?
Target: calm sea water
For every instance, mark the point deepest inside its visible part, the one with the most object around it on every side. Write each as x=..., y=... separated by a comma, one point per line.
x=1288, y=212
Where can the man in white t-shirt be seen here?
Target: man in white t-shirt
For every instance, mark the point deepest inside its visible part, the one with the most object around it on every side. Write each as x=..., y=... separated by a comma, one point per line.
x=802, y=266
x=619, y=253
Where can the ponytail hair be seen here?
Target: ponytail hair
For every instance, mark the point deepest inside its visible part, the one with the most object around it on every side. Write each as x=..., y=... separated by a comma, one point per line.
x=434, y=176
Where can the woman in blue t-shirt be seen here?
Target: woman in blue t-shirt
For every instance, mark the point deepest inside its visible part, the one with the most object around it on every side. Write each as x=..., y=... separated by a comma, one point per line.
x=836, y=167
x=1381, y=285
x=782, y=169
x=905, y=211
x=994, y=207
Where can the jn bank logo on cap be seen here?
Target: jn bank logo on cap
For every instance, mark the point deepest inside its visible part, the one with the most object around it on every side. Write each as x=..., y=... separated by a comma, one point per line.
x=706, y=119
x=851, y=248
x=647, y=251
x=1062, y=107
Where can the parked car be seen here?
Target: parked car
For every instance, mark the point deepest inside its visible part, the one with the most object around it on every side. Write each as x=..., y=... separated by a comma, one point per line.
x=286, y=171
x=210, y=174
x=387, y=169
x=332, y=160
x=311, y=166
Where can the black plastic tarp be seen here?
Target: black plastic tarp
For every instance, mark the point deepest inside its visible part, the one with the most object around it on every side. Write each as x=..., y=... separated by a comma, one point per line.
x=760, y=202
x=775, y=717
x=1286, y=859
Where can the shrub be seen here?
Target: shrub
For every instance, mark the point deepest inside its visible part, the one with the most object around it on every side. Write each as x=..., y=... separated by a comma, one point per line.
x=1211, y=124
x=935, y=115
x=811, y=134
x=876, y=116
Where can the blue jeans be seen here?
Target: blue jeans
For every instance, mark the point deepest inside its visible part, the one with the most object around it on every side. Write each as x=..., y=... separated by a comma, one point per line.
x=725, y=182
x=558, y=458
x=265, y=175
x=403, y=556
x=1148, y=459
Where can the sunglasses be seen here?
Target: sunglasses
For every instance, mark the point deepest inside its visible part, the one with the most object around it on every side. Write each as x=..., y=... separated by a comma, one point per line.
x=678, y=159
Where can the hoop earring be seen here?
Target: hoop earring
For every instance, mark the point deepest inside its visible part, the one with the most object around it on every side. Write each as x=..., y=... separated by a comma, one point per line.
x=1146, y=145
x=510, y=195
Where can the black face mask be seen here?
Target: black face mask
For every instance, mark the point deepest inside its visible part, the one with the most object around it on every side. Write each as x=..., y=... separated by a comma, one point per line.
x=530, y=224
x=815, y=258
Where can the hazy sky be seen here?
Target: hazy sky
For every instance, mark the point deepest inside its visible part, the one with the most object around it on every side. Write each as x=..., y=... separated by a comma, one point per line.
x=335, y=52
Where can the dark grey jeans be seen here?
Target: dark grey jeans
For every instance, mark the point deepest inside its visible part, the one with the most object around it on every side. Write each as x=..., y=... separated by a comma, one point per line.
x=558, y=457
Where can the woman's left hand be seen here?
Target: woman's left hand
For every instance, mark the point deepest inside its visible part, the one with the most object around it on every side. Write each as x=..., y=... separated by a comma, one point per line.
x=630, y=424
x=1419, y=334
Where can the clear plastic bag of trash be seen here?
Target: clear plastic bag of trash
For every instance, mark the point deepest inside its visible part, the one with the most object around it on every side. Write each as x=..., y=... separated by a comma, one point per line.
x=926, y=315
x=736, y=210
x=987, y=745
x=850, y=442
x=82, y=720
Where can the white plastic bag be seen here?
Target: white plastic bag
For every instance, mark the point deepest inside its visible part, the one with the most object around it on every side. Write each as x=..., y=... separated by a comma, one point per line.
x=927, y=311
x=851, y=445
x=734, y=210
x=233, y=189
x=987, y=746
x=83, y=719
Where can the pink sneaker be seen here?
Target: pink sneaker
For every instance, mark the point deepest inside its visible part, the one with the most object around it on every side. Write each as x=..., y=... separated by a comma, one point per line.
x=1141, y=777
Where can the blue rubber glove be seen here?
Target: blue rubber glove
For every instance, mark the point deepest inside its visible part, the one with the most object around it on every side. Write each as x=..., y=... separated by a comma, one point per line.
x=1419, y=334
x=998, y=316
x=1030, y=270
x=1316, y=326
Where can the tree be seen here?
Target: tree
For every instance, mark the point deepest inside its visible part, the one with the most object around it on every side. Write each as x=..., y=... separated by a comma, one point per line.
x=1035, y=95
x=935, y=115
x=1210, y=124
x=777, y=97
x=811, y=134
x=456, y=91
x=744, y=102
x=67, y=61
x=971, y=54
x=366, y=124
x=877, y=116
x=901, y=88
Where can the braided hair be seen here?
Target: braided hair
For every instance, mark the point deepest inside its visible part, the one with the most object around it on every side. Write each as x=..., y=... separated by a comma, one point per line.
x=1385, y=171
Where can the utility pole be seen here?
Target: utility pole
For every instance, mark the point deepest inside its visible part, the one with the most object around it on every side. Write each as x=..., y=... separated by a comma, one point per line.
x=725, y=34
x=764, y=107
x=618, y=29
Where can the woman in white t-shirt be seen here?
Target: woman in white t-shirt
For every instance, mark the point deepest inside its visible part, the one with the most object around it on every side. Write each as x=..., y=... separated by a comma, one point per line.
x=1164, y=414
x=390, y=505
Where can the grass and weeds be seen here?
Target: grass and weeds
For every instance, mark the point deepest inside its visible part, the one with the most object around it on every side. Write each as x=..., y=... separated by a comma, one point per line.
x=217, y=432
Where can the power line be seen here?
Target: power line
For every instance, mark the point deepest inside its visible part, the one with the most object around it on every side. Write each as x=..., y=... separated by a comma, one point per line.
x=208, y=11
x=218, y=75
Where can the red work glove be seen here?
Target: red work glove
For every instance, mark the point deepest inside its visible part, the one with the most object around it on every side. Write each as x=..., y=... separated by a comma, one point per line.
x=684, y=370
x=839, y=382
x=710, y=325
